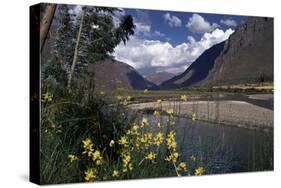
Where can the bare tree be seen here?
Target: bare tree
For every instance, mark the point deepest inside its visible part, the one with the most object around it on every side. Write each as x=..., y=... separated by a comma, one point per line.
x=75, y=51
x=46, y=23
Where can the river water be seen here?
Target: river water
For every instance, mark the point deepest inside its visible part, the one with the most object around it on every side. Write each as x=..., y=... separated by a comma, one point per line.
x=220, y=148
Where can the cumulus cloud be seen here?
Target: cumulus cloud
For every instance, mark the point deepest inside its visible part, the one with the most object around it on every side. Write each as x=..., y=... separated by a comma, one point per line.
x=229, y=22
x=144, y=54
x=173, y=21
x=197, y=23
x=142, y=28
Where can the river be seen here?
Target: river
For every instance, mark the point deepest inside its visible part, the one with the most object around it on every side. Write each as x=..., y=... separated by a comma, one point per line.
x=221, y=149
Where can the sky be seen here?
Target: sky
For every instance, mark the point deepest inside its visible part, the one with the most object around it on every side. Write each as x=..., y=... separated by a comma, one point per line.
x=168, y=41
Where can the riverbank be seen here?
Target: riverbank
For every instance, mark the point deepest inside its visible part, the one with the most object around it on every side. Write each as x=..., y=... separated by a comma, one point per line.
x=225, y=112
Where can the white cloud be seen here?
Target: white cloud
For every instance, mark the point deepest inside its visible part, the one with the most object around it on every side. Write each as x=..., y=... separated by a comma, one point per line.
x=197, y=23
x=173, y=21
x=229, y=22
x=142, y=53
x=142, y=28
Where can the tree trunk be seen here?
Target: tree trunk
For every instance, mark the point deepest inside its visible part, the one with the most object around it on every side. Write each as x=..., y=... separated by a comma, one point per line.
x=75, y=52
x=46, y=23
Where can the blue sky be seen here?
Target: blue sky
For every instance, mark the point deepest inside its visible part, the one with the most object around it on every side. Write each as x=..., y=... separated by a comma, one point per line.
x=168, y=41
x=177, y=33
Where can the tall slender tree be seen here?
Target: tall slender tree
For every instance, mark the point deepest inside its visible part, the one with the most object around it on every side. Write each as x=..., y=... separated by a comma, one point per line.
x=46, y=22
x=97, y=36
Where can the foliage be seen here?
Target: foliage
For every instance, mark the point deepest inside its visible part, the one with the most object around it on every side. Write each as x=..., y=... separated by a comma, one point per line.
x=83, y=139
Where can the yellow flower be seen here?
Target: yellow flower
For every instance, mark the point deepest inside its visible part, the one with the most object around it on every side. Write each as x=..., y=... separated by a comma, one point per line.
x=72, y=157
x=133, y=130
x=159, y=101
x=172, y=123
x=156, y=113
x=159, y=125
x=111, y=143
x=115, y=173
x=90, y=175
x=182, y=166
x=199, y=171
x=126, y=162
x=88, y=146
x=119, y=98
x=194, y=117
x=173, y=157
x=129, y=98
x=150, y=156
x=192, y=157
x=158, y=139
x=171, y=141
x=96, y=156
x=144, y=122
x=145, y=91
x=47, y=97
x=184, y=97
x=102, y=93
x=170, y=111
x=123, y=141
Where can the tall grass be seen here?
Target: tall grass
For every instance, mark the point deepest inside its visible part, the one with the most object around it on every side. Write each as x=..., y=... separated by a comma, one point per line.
x=86, y=139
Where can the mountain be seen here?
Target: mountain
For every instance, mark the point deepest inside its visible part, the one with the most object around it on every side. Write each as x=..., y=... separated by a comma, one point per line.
x=159, y=77
x=246, y=57
x=197, y=71
x=111, y=74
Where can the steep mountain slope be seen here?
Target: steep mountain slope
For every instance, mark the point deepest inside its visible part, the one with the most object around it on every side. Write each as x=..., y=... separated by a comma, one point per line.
x=197, y=71
x=111, y=74
x=159, y=77
x=247, y=56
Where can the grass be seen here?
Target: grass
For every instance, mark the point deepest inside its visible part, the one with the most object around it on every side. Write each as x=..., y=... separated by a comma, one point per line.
x=83, y=139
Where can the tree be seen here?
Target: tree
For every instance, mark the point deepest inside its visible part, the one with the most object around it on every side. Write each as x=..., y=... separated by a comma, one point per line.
x=62, y=48
x=97, y=36
x=46, y=22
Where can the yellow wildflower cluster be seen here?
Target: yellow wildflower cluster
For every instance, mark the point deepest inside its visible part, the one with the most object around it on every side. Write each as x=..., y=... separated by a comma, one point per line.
x=171, y=141
x=96, y=156
x=159, y=101
x=199, y=171
x=126, y=162
x=115, y=173
x=90, y=175
x=158, y=139
x=119, y=97
x=170, y=111
x=156, y=113
x=144, y=122
x=173, y=157
x=182, y=166
x=88, y=149
x=184, y=97
x=193, y=117
x=72, y=157
x=123, y=141
x=47, y=97
x=88, y=146
x=150, y=156
x=111, y=143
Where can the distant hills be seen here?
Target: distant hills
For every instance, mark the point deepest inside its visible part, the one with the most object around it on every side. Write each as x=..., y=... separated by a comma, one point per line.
x=246, y=57
x=159, y=77
x=111, y=74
